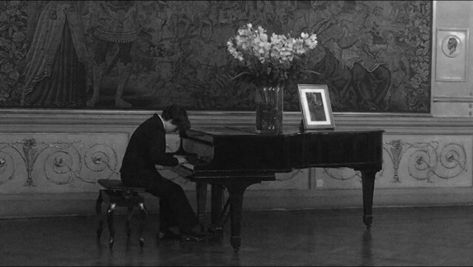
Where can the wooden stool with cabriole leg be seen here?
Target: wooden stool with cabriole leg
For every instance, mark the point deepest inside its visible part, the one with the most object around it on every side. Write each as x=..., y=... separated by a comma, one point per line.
x=114, y=194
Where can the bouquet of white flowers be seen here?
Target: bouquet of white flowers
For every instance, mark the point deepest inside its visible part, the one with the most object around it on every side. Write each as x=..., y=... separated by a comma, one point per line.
x=268, y=60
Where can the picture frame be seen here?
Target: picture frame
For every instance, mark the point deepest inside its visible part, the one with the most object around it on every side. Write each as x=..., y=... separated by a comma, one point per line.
x=315, y=106
x=451, y=55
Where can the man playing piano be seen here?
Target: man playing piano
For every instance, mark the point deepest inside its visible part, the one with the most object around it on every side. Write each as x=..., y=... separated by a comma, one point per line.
x=147, y=148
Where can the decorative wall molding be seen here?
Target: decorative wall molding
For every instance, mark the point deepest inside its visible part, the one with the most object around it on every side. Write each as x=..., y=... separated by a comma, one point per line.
x=426, y=160
x=67, y=162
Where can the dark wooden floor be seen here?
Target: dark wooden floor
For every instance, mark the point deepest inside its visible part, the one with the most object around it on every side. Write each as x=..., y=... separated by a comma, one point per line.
x=441, y=236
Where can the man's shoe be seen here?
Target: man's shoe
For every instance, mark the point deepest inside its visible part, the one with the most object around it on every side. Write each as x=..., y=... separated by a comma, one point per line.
x=193, y=237
x=169, y=235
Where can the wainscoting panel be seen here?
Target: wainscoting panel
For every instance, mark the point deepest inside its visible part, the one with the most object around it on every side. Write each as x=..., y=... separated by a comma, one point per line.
x=58, y=162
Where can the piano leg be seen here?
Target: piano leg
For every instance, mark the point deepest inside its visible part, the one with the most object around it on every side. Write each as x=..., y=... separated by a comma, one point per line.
x=201, y=190
x=236, y=200
x=216, y=208
x=236, y=189
x=368, y=177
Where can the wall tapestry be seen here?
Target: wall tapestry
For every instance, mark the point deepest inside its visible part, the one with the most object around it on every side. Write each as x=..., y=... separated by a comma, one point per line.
x=375, y=56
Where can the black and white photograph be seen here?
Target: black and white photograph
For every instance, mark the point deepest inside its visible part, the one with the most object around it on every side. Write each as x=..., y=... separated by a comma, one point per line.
x=316, y=106
x=236, y=133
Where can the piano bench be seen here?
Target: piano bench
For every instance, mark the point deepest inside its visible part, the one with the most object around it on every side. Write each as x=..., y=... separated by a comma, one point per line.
x=114, y=194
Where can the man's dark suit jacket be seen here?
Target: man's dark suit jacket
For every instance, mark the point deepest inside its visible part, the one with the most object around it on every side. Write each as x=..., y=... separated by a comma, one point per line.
x=147, y=147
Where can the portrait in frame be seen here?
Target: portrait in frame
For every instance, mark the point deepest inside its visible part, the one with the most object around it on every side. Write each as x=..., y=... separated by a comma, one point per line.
x=451, y=55
x=315, y=106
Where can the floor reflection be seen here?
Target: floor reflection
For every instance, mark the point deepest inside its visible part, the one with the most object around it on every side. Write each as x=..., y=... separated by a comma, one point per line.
x=366, y=250
x=398, y=237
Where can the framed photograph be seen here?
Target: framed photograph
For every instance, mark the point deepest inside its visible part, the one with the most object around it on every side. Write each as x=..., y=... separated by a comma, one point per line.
x=316, y=107
x=451, y=55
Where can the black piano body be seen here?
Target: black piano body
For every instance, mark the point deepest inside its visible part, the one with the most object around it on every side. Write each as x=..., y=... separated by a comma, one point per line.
x=235, y=158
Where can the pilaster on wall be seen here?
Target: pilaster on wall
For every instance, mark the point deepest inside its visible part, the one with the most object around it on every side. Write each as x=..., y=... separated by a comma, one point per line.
x=50, y=161
x=452, y=86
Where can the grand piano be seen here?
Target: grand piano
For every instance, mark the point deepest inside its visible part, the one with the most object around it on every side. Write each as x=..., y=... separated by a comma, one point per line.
x=235, y=158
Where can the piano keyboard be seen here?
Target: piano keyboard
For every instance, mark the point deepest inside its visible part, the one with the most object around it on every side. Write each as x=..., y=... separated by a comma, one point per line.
x=184, y=170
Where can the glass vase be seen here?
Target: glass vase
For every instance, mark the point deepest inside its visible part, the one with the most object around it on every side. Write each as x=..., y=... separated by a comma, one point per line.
x=269, y=109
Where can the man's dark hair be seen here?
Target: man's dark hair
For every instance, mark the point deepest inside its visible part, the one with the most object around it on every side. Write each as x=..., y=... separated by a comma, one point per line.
x=178, y=117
